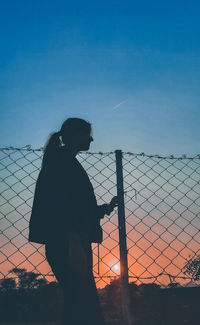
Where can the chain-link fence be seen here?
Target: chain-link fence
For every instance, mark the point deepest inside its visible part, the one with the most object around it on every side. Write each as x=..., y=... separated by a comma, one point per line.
x=162, y=210
x=162, y=216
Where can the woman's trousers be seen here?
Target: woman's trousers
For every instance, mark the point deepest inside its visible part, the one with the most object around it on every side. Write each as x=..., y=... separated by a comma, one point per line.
x=81, y=301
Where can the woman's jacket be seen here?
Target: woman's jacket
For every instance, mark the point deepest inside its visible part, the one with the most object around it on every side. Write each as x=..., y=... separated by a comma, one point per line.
x=64, y=201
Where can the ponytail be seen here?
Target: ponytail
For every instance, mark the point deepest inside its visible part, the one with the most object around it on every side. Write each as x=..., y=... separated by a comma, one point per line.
x=51, y=148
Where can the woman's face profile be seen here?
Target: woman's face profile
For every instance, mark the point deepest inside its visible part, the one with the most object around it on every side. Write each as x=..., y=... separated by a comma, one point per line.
x=82, y=140
x=86, y=139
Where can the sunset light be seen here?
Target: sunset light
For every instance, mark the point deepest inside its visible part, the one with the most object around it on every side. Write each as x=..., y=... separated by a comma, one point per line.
x=116, y=268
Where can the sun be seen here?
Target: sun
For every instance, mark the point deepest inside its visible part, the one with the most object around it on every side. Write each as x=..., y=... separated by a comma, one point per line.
x=116, y=267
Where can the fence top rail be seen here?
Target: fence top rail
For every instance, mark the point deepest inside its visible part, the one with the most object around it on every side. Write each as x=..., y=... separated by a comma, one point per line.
x=142, y=154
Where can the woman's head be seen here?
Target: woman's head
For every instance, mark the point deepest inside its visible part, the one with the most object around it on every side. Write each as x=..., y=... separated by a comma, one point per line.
x=75, y=134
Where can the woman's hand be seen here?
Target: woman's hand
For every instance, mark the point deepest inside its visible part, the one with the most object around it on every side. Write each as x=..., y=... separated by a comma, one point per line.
x=77, y=256
x=113, y=203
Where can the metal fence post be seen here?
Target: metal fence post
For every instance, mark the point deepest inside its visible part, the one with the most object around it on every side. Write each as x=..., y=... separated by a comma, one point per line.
x=125, y=296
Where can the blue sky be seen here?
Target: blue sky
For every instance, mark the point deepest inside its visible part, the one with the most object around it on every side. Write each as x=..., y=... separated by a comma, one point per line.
x=132, y=68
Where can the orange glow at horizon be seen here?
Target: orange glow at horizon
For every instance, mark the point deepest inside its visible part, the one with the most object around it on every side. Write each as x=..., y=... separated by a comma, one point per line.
x=140, y=264
x=150, y=252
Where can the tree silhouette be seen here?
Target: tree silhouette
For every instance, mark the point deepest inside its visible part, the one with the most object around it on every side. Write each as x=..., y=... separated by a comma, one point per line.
x=28, y=280
x=192, y=268
x=7, y=284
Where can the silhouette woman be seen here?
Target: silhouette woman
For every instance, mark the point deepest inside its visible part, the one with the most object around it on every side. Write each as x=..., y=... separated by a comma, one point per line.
x=66, y=218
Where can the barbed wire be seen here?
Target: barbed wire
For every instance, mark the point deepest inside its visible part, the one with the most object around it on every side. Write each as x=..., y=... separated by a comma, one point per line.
x=184, y=156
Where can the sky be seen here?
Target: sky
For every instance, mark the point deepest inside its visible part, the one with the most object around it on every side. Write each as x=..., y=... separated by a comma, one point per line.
x=131, y=68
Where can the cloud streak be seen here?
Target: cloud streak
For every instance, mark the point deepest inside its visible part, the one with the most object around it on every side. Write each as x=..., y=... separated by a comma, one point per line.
x=118, y=105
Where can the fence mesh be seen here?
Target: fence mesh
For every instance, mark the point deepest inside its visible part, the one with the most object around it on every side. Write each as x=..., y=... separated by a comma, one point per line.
x=162, y=207
x=162, y=216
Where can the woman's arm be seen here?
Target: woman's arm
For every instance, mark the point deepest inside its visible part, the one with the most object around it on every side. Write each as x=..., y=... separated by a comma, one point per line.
x=107, y=208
